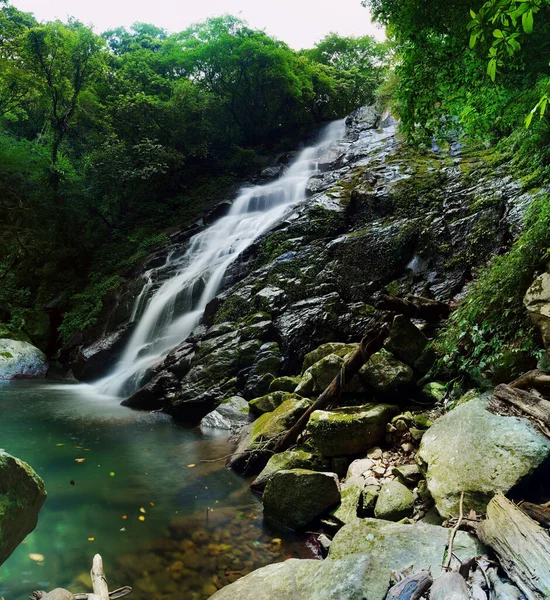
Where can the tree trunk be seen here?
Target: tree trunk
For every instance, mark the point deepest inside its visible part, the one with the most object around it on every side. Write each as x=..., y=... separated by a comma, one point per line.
x=532, y=405
x=415, y=307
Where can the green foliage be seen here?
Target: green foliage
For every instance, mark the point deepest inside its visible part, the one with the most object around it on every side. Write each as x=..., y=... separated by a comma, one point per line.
x=491, y=323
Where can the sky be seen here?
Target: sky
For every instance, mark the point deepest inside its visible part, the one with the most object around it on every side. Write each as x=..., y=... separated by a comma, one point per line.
x=300, y=23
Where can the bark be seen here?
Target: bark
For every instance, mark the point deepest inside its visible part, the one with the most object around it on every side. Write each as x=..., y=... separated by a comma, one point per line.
x=412, y=587
x=532, y=379
x=532, y=405
x=415, y=307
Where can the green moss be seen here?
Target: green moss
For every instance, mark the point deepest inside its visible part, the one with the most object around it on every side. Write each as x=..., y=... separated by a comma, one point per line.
x=6, y=355
x=233, y=308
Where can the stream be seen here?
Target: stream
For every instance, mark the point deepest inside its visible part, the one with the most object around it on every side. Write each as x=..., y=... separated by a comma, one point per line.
x=131, y=486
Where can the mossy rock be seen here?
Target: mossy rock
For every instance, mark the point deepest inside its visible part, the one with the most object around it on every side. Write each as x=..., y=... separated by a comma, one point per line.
x=290, y=459
x=349, y=504
x=351, y=430
x=319, y=376
x=294, y=498
x=269, y=402
x=285, y=384
x=37, y=327
x=316, y=355
x=395, y=502
x=386, y=374
x=406, y=341
x=434, y=391
x=10, y=334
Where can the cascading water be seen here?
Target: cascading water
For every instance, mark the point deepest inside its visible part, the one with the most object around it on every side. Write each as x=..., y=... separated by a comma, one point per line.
x=175, y=308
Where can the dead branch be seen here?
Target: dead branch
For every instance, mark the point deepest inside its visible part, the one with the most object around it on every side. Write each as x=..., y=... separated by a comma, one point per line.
x=412, y=587
x=536, y=378
x=415, y=307
x=447, y=564
x=532, y=405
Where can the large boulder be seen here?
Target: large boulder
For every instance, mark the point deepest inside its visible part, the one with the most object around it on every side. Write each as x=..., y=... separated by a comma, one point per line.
x=323, y=350
x=297, y=579
x=257, y=440
x=21, y=497
x=21, y=360
x=350, y=430
x=537, y=303
x=319, y=376
x=406, y=341
x=269, y=402
x=472, y=450
x=232, y=414
x=393, y=547
x=293, y=498
x=386, y=374
x=283, y=461
x=395, y=502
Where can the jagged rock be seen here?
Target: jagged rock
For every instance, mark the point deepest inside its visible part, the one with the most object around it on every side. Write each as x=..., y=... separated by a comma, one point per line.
x=284, y=384
x=231, y=414
x=367, y=502
x=350, y=430
x=472, y=450
x=386, y=374
x=253, y=449
x=297, y=579
x=366, y=117
x=319, y=376
x=293, y=498
x=537, y=303
x=269, y=402
x=21, y=360
x=394, y=547
x=434, y=391
x=290, y=459
x=323, y=350
x=395, y=502
x=155, y=394
x=406, y=341
x=21, y=497
x=350, y=502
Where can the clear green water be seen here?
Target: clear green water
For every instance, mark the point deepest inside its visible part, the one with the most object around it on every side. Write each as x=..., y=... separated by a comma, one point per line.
x=200, y=526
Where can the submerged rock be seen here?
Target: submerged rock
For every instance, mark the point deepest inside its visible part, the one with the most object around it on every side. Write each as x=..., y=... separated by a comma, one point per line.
x=350, y=430
x=293, y=498
x=231, y=414
x=21, y=497
x=21, y=360
x=297, y=579
x=481, y=453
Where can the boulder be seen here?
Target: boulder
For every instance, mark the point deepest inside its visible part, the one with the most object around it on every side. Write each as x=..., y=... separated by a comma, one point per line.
x=231, y=414
x=393, y=547
x=290, y=459
x=324, y=350
x=359, y=466
x=349, y=503
x=256, y=440
x=269, y=402
x=350, y=430
x=537, y=303
x=21, y=360
x=408, y=475
x=472, y=450
x=264, y=370
x=319, y=376
x=406, y=341
x=297, y=579
x=21, y=497
x=284, y=384
x=434, y=391
x=293, y=498
x=385, y=373
x=395, y=502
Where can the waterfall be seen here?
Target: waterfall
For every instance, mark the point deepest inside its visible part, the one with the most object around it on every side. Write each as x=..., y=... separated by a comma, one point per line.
x=173, y=310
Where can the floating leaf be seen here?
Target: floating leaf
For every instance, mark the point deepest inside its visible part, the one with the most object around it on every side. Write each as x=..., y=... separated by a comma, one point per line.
x=122, y=529
x=80, y=460
x=124, y=516
x=191, y=465
x=152, y=503
x=142, y=510
x=112, y=473
x=91, y=539
x=60, y=445
x=36, y=557
x=141, y=518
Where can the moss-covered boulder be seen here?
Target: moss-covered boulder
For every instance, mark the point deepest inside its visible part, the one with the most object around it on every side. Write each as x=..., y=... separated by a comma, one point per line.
x=391, y=546
x=385, y=373
x=7, y=333
x=37, y=327
x=256, y=441
x=349, y=503
x=293, y=498
x=395, y=502
x=297, y=579
x=290, y=459
x=269, y=402
x=21, y=497
x=406, y=341
x=351, y=430
x=284, y=384
x=472, y=450
x=21, y=360
x=319, y=376
x=434, y=391
x=324, y=350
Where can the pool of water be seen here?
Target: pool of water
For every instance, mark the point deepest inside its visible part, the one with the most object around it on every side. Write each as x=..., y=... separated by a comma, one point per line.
x=143, y=491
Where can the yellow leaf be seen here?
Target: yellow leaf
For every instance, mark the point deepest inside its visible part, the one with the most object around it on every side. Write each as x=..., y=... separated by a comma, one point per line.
x=36, y=557
x=152, y=503
x=142, y=510
x=80, y=460
x=91, y=539
x=191, y=465
x=124, y=516
x=141, y=518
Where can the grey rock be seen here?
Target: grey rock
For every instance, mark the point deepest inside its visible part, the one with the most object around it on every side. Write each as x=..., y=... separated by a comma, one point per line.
x=21, y=360
x=395, y=502
x=283, y=461
x=232, y=414
x=406, y=341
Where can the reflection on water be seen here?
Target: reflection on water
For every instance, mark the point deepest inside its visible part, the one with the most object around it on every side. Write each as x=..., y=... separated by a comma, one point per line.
x=132, y=487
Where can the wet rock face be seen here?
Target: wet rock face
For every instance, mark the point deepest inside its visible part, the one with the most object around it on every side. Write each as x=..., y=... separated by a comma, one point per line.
x=473, y=450
x=21, y=497
x=21, y=360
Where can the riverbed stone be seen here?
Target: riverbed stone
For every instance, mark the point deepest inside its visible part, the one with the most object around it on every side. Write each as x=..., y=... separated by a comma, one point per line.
x=395, y=502
x=257, y=440
x=393, y=547
x=307, y=579
x=405, y=340
x=293, y=498
x=537, y=303
x=22, y=494
x=472, y=450
x=350, y=430
x=231, y=414
x=283, y=461
x=385, y=373
x=21, y=360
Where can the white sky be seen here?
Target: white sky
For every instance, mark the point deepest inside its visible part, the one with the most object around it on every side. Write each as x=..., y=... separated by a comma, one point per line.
x=300, y=23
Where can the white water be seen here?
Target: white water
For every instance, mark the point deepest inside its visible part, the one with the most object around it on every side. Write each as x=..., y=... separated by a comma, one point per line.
x=175, y=308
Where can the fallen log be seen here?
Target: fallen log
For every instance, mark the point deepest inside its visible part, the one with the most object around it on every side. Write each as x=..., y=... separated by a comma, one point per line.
x=522, y=546
x=412, y=587
x=531, y=405
x=538, y=512
x=415, y=307
x=536, y=378
x=449, y=586
x=371, y=343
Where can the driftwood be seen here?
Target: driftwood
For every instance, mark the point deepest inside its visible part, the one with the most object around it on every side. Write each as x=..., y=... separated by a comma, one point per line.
x=371, y=343
x=537, y=379
x=415, y=307
x=449, y=586
x=531, y=405
x=412, y=587
x=523, y=547
x=99, y=586
x=539, y=512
